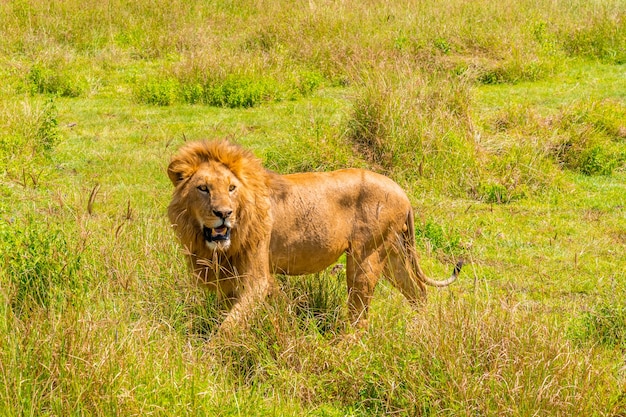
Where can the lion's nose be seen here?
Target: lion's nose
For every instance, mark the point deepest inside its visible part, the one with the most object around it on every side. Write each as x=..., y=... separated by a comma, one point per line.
x=223, y=213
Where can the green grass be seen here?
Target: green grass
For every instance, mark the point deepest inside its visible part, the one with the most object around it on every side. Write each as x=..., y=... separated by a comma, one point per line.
x=506, y=123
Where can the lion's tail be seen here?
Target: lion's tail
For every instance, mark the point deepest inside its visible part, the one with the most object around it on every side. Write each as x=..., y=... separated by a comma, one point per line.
x=409, y=241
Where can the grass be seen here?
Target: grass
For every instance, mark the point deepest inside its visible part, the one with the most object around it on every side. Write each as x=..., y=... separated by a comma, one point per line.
x=506, y=125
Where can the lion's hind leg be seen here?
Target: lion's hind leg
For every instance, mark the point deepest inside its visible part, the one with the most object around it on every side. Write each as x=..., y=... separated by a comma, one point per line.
x=363, y=271
x=399, y=271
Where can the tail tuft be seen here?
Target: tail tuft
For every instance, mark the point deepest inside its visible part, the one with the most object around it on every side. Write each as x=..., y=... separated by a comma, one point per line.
x=457, y=267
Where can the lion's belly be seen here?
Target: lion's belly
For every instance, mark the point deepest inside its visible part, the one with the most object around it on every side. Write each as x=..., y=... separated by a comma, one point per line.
x=304, y=256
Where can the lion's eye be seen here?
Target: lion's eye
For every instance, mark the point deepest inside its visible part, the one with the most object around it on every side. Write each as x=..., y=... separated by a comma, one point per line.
x=232, y=188
x=203, y=189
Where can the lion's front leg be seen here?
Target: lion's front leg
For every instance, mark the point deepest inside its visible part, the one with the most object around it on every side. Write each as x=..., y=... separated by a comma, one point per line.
x=254, y=291
x=254, y=285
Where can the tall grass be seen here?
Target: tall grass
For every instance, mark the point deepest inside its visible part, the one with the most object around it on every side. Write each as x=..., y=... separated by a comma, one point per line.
x=244, y=56
x=97, y=314
x=397, y=124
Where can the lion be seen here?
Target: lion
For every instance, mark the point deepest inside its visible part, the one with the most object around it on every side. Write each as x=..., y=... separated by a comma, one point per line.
x=240, y=224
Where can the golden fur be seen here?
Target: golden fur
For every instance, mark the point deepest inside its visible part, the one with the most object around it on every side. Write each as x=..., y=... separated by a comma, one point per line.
x=240, y=223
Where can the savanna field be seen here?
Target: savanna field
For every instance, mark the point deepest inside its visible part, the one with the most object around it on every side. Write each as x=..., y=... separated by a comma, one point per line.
x=504, y=121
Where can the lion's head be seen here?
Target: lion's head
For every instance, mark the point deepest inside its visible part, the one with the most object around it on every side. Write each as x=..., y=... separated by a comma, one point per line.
x=221, y=198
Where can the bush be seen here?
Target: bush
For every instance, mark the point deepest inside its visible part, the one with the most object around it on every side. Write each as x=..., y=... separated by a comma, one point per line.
x=601, y=39
x=55, y=81
x=438, y=238
x=159, y=92
x=32, y=134
x=592, y=137
x=305, y=83
x=606, y=326
x=598, y=161
x=233, y=92
x=493, y=193
x=194, y=84
x=192, y=93
x=239, y=91
x=47, y=133
x=38, y=263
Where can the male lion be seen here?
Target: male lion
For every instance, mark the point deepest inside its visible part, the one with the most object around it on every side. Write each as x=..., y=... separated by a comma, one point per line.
x=240, y=223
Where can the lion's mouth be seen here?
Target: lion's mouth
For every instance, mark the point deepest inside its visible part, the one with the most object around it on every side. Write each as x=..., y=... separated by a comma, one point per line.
x=218, y=234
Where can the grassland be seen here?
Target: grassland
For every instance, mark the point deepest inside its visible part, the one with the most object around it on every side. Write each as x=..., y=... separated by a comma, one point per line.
x=505, y=121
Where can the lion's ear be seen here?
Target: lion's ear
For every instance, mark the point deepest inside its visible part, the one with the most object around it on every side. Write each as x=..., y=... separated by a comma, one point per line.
x=176, y=172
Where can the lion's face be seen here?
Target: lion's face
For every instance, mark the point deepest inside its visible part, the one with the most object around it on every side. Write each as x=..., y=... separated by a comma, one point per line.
x=220, y=202
x=212, y=202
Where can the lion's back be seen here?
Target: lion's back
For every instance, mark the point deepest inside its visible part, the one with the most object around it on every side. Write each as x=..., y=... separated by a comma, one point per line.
x=346, y=180
x=317, y=216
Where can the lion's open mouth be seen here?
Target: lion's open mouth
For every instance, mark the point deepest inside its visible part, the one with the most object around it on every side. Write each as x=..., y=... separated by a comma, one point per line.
x=217, y=234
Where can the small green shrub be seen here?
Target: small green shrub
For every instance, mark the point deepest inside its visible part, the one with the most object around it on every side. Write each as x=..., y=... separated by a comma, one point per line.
x=239, y=91
x=605, y=325
x=438, y=237
x=306, y=82
x=601, y=39
x=401, y=43
x=598, y=161
x=38, y=263
x=192, y=93
x=194, y=83
x=47, y=134
x=164, y=92
x=493, y=193
x=540, y=32
x=442, y=45
x=56, y=81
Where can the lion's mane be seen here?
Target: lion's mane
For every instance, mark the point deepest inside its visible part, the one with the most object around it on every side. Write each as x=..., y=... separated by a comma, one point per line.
x=253, y=214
